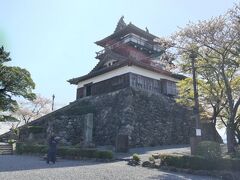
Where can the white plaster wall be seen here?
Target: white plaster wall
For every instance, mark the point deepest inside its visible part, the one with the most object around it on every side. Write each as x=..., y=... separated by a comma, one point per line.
x=124, y=70
x=151, y=74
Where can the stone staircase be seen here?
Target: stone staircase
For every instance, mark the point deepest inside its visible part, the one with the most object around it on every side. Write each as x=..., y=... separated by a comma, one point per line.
x=6, y=149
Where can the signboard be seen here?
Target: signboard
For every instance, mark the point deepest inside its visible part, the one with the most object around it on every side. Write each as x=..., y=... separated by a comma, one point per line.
x=198, y=132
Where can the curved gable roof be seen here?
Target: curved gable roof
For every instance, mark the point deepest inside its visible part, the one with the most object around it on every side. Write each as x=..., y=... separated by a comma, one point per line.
x=130, y=28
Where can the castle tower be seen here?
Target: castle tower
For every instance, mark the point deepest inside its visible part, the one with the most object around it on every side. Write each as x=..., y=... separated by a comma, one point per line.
x=126, y=61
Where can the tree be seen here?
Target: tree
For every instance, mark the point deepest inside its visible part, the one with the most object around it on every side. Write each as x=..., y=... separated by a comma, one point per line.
x=31, y=110
x=217, y=44
x=14, y=82
x=211, y=100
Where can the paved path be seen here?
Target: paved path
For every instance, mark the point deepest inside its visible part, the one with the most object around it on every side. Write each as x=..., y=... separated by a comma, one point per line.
x=14, y=167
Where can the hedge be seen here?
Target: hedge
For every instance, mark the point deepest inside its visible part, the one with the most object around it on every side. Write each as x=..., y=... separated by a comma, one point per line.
x=22, y=148
x=208, y=149
x=63, y=151
x=200, y=163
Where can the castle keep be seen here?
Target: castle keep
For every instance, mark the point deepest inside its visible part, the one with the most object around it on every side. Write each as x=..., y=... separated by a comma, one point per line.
x=128, y=93
x=130, y=58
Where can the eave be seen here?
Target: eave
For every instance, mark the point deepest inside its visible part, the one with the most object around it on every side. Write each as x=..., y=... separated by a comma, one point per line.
x=122, y=64
x=130, y=28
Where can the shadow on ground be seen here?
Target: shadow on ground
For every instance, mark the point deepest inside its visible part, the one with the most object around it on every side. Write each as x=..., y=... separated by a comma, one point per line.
x=179, y=176
x=23, y=162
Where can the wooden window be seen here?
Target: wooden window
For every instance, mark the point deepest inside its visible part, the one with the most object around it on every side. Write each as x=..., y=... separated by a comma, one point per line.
x=88, y=89
x=171, y=88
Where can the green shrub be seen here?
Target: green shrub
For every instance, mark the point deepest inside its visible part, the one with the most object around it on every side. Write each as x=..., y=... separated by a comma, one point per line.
x=16, y=131
x=35, y=129
x=136, y=157
x=172, y=160
x=63, y=151
x=22, y=148
x=199, y=163
x=151, y=159
x=209, y=149
x=78, y=145
x=104, y=155
x=76, y=152
x=11, y=141
x=236, y=154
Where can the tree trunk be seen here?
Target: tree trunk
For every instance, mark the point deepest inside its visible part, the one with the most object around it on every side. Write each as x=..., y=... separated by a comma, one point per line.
x=214, y=126
x=238, y=135
x=230, y=138
x=216, y=136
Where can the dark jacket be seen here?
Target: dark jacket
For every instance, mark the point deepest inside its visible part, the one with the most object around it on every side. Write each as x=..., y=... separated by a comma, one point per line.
x=52, y=144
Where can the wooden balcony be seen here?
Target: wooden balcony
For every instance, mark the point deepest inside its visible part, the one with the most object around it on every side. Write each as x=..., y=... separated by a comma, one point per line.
x=136, y=41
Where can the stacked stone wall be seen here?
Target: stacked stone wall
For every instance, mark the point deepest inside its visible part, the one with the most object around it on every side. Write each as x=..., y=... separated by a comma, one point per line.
x=148, y=120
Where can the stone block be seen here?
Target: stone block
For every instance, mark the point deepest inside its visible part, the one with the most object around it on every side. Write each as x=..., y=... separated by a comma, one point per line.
x=122, y=143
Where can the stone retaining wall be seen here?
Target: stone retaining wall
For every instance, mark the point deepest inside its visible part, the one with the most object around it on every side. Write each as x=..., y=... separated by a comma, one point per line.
x=147, y=119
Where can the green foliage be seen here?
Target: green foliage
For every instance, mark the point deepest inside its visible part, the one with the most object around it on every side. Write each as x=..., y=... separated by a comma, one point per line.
x=63, y=151
x=15, y=81
x=151, y=159
x=16, y=131
x=199, y=163
x=172, y=160
x=11, y=141
x=22, y=148
x=35, y=129
x=211, y=99
x=216, y=45
x=236, y=154
x=136, y=157
x=104, y=155
x=209, y=149
x=185, y=91
x=76, y=152
x=87, y=153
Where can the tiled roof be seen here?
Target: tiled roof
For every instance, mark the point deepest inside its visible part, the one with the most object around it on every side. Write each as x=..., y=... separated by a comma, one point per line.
x=130, y=28
x=108, y=56
x=96, y=73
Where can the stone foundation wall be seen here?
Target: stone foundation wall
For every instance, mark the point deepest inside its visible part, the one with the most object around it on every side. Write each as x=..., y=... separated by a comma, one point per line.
x=147, y=119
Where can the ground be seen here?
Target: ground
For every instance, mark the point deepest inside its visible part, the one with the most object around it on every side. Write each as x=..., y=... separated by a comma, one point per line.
x=16, y=167
x=33, y=168
x=145, y=152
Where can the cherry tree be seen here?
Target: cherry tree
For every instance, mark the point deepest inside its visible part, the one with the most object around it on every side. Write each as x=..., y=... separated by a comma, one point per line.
x=216, y=42
x=31, y=110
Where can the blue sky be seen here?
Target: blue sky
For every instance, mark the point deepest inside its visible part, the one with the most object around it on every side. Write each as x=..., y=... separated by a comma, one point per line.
x=54, y=39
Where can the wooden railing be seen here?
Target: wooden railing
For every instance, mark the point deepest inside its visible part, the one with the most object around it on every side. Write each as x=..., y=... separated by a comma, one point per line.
x=131, y=38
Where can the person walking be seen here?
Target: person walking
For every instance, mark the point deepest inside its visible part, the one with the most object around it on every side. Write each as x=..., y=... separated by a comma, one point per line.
x=52, y=150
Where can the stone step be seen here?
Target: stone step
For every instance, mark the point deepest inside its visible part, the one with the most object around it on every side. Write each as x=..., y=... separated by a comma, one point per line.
x=2, y=145
x=6, y=152
x=6, y=149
